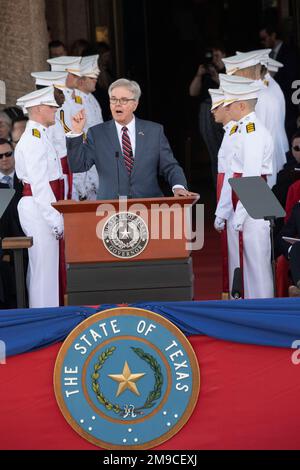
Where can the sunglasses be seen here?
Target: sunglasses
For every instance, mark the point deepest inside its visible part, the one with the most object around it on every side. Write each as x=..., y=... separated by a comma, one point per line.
x=5, y=154
x=296, y=148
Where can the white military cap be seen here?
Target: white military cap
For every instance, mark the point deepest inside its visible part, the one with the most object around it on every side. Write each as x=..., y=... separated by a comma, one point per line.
x=241, y=61
x=217, y=97
x=272, y=64
x=66, y=64
x=57, y=79
x=239, y=92
x=2, y=92
x=265, y=59
x=261, y=52
x=89, y=66
x=39, y=97
x=233, y=79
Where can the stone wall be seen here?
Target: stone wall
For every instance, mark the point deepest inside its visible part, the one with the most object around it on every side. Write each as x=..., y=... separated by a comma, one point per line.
x=23, y=45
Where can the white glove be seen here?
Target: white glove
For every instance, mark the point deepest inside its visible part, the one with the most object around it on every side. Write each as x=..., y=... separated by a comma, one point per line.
x=239, y=217
x=219, y=224
x=58, y=232
x=238, y=227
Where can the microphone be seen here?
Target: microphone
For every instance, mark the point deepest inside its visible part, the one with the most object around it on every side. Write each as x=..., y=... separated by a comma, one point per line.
x=237, y=284
x=118, y=171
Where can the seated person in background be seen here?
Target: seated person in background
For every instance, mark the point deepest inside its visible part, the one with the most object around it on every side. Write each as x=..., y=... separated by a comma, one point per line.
x=290, y=172
x=291, y=251
x=18, y=128
x=287, y=176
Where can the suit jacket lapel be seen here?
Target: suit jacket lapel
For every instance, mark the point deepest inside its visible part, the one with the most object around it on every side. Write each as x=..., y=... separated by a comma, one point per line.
x=139, y=143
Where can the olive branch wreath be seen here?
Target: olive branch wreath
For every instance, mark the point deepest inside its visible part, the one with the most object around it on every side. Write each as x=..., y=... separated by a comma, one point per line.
x=154, y=395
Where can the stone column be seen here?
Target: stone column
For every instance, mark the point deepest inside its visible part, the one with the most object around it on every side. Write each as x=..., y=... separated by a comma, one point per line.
x=23, y=45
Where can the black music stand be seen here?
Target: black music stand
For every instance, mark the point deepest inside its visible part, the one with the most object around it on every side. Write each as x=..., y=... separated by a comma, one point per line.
x=260, y=203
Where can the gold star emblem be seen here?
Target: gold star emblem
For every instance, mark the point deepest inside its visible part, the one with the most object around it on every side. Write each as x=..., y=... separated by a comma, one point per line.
x=126, y=380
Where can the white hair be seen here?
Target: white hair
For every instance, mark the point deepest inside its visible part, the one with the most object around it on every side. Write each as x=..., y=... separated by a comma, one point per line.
x=131, y=85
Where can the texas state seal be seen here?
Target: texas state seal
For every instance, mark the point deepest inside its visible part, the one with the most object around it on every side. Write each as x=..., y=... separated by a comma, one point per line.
x=126, y=378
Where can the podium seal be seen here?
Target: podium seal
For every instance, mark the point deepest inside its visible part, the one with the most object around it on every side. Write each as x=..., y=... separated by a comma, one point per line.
x=125, y=235
x=126, y=378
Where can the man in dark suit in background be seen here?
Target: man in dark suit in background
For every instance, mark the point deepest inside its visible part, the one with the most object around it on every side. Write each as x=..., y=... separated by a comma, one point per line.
x=271, y=38
x=9, y=224
x=129, y=153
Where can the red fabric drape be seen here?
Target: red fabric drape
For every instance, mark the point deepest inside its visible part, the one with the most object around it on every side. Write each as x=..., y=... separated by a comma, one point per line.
x=249, y=399
x=66, y=171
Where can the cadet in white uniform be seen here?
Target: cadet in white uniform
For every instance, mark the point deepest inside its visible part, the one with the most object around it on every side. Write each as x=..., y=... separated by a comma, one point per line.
x=273, y=66
x=56, y=133
x=268, y=110
x=224, y=211
x=253, y=156
x=39, y=168
x=85, y=185
x=71, y=66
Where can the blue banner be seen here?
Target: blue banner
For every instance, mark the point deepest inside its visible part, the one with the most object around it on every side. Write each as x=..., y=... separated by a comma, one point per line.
x=267, y=322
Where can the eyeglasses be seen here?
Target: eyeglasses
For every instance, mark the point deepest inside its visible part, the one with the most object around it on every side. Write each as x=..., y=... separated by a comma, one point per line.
x=296, y=148
x=5, y=154
x=122, y=101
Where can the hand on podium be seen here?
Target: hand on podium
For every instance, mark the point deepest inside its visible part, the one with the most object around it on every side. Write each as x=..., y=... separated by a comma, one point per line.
x=78, y=122
x=183, y=192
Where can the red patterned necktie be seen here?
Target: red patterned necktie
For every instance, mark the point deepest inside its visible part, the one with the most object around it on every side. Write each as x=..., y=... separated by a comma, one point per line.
x=127, y=150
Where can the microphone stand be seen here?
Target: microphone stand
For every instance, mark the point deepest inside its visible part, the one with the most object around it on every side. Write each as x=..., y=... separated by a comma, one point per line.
x=236, y=291
x=118, y=172
x=271, y=219
x=130, y=195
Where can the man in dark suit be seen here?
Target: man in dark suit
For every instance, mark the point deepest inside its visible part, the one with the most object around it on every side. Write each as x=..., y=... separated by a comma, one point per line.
x=9, y=224
x=129, y=153
x=271, y=38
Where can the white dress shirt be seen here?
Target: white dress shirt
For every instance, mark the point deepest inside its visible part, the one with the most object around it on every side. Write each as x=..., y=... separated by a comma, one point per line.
x=11, y=175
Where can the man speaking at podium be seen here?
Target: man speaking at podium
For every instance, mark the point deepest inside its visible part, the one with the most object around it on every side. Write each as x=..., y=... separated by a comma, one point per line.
x=129, y=153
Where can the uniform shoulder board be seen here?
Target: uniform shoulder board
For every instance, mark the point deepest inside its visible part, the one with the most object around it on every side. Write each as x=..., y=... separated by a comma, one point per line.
x=234, y=129
x=36, y=133
x=78, y=99
x=62, y=120
x=250, y=127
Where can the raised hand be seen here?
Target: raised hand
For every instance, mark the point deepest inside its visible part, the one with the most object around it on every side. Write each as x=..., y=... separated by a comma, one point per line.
x=78, y=122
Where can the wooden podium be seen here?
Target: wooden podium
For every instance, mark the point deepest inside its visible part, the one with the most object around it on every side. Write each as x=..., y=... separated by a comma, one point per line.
x=124, y=251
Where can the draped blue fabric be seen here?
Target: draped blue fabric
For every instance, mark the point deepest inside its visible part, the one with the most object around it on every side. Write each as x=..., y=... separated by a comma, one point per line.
x=268, y=322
